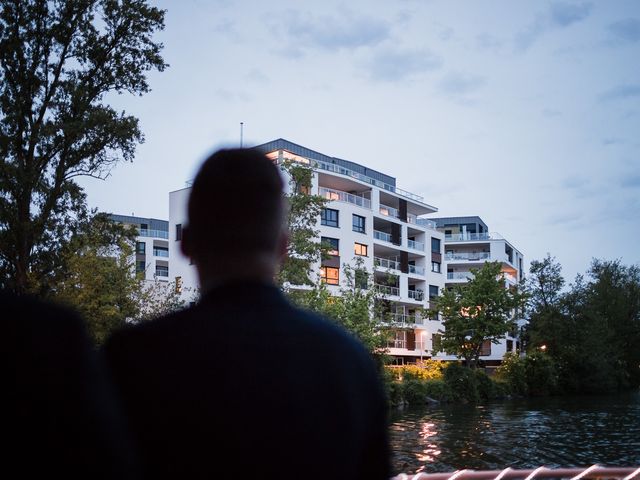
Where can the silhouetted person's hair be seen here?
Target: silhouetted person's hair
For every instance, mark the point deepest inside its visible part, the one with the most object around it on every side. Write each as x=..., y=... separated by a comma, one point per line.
x=236, y=204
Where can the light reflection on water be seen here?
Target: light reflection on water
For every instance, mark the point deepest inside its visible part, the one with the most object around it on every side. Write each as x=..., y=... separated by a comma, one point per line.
x=555, y=432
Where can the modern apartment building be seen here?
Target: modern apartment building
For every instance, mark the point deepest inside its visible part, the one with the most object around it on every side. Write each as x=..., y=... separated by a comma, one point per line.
x=468, y=243
x=152, y=245
x=368, y=218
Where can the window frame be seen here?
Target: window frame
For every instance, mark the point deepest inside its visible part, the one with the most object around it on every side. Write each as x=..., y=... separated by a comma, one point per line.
x=330, y=240
x=326, y=221
x=363, y=246
x=324, y=277
x=357, y=227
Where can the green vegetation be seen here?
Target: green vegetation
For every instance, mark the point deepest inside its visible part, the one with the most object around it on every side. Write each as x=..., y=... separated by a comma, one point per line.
x=477, y=311
x=59, y=63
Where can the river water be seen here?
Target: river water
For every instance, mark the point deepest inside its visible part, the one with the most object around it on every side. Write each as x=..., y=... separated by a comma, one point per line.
x=554, y=432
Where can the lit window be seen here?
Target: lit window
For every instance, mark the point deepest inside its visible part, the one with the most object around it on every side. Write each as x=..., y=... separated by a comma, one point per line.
x=329, y=217
x=330, y=275
x=361, y=249
x=358, y=223
x=332, y=245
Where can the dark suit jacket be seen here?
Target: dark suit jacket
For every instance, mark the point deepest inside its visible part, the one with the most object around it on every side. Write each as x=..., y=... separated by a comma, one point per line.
x=245, y=384
x=58, y=413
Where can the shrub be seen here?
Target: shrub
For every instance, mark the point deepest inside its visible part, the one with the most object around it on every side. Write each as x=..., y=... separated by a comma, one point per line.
x=414, y=391
x=438, y=390
x=462, y=382
x=512, y=372
x=541, y=373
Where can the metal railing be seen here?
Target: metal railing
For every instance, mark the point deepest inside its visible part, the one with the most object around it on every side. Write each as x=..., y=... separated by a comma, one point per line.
x=145, y=232
x=468, y=256
x=387, y=290
x=416, y=294
x=340, y=196
x=397, y=344
x=416, y=269
x=385, y=237
x=386, y=263
x=416, y=245
x=594, y=471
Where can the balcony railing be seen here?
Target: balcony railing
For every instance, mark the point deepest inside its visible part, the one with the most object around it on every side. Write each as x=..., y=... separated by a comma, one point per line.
x=459, y=275
x=472, y=237
x=416, y=294
x=388, y=290
x=385, y=237
x=427, y=223
x=416, y=269
x=404, y=318
x=468, y=256
x=386, y=263
x=415, y=245
x=397, y=344
x=340, y=196
x=388, y=211
x=144, y=232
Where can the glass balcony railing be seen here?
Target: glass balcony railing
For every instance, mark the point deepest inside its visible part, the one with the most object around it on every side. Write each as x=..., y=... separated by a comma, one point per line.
x=143, y=232
x=416, y=269
x=459, y=275
x=469, y=256
x=385, y=237
x=388, y=211
x=160, y=252
x=340, y=196
x=471, y=237
x=416, y=294
x=415, y=245
x=388, y=290
x=386, y=263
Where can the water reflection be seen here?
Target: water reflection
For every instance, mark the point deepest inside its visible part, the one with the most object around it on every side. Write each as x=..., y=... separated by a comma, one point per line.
x=521, y=434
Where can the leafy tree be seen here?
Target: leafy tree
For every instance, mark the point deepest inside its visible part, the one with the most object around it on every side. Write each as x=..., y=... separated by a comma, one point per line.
x=356, y=308
x=157, y=298
x=479, y=310
x=59, y=61
x=99, y=278
x=305, y=248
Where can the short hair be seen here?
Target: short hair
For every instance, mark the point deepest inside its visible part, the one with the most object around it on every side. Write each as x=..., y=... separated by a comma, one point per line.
x=236, y=204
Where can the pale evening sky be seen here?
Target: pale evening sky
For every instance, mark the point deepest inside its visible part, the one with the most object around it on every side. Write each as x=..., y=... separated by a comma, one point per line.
x=525, y=113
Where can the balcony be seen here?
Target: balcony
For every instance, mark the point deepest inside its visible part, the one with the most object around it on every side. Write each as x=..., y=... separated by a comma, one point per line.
x=416, y=295
x=386, y=263
x=416, y=269
x=414, y=244
x=403, y=319
x=340, y=196
x=388, y=211
x=459, y=276
x=471, y=237
x=423, y=222
x=385, y=237
x=144, y=232
x=468, y=256
x=387, y=290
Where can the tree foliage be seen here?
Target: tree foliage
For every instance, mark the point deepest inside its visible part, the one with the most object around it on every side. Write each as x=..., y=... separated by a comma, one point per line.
x=479, y=310
x=59, y=61
x=305, y=247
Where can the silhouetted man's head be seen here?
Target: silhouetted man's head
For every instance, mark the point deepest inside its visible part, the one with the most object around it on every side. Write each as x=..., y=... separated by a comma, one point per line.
x=235, y=214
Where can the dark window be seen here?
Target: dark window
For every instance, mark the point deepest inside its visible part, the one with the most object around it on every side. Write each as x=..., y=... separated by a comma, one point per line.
x=435, y=267
x=330, y=275
x=361, y=279
x=329, y=217
x=358, y=223
x=435, y=245
x=332, y=245
x=140, y=266
x=178, y=232
x=436, y=342
x=361, y=249
x=161, y=251
x=509, y=345
x=433, y=291
x=140, y=247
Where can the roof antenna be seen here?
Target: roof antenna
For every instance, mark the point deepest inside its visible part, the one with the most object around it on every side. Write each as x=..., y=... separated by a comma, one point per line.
x=241, y=128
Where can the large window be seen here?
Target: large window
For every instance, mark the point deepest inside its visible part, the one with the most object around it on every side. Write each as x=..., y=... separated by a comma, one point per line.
x=178, y=232
x=332, y=245
x=330, y=275
x=433, y=291
x=435, y=245
x=140, y=266
x=361, y=249
x=358, y=223
x=329, y=217
x=435, y=267
x=361, y=279
x=161, y=251
x=162, y=271
x=140, y=247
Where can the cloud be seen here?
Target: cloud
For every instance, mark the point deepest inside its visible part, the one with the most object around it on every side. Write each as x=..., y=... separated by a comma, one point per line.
x=458, y=84
x=567, y=219
x=396, y=65
x=331, y=33
x=257, y=76
x=625, y=31
x=558, y=15
x=620, y=92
